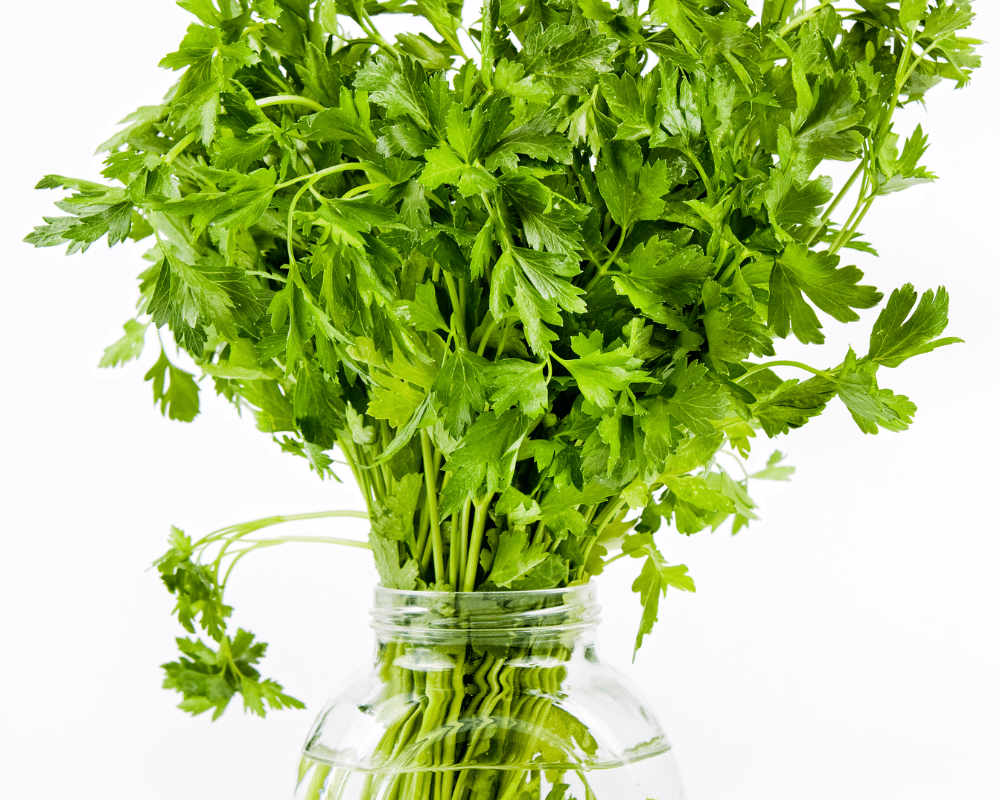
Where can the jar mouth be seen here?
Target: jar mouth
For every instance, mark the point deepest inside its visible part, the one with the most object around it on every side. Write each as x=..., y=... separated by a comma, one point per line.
x=398, y=611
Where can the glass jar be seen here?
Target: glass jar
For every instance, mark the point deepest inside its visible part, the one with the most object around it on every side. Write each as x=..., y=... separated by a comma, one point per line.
x=488, y=696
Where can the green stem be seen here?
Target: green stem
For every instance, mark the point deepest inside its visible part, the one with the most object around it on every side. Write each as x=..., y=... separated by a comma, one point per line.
x=463, y=543
x=430, y=479
x=836, y=202
x=709, y=189
x=603, y=270
x=456, y=306
x=476, y=544
x=364, y=166
x=759, y=367
x=484, y=341
x=179, y=148
x=290, y=99
x=847, y=234
x=802, y=18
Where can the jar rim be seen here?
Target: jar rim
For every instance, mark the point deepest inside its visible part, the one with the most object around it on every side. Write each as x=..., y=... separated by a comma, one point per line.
x=585, y=591
x=429, y=613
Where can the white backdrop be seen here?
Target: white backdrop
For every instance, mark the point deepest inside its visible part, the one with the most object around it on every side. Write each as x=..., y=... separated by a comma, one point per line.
x=846, y=646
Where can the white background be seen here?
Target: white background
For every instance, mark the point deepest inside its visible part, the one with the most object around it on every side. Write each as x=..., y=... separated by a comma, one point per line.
x=844, y=647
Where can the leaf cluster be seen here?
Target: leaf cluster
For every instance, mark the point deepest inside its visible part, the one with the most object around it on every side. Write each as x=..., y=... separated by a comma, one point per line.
x=209, y=675
x=528, y=293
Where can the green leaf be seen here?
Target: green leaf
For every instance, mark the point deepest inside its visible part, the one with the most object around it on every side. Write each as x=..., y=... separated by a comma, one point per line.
x=697, y=401
x=551, y=573
x=898, y=335
x=515, y=557
x=901, y=171
x=829, y=130
x=601, y=376
x=398, y=86
x=97, y=211
x=912, y=11
x=395, y=401
x=833, y=290
x=653, y=581
x=548, y=226
x=871, y=407
x=538, y=286
x=517, y=384
x=176, y=394
x=128, y=348
x=568, y=58
x=393, y=517
x=696, y=491
x=535, y=138
x=317, y=406
x=485, y=459
x=791, y=204
x=792, y=404
x=393, y=573
x=663, y=278
x=460, y=389
x=560, y=508
x=423, y=312
x=445, y=166
x=632, y=189
x=773, y=471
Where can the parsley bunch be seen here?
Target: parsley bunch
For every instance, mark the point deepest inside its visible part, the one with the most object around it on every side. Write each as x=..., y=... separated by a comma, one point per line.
x=528, y=277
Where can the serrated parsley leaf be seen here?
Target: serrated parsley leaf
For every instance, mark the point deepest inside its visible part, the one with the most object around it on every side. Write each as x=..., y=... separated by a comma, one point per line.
x=537, y=283
x=816, y=275
x=898, y=335
x=568, y=58
x=696, y=400
x=792, y=404
x=661, y=278
x=601, y=376
x=174, y=389
x=460, y=389
x=518, y=384
x=632, y=189
x=445, y=166
x=398, y=86
x=485, y=460
x=515, y=557
x=656, y=576
x=871, y=407
x=534, y=138
x=128, y=348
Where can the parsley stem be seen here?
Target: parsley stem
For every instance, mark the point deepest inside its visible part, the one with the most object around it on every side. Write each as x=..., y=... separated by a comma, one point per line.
x=290, y=99
x=848, y=233
x=476, y=543
x=430, y=478
x=364, y=166
x=310, y=540
x=262, y=543
x=759, y=367
x=459, y=556
x=803, y=17
x=836, y=202
x=485, y=340
x=603, y=269
x=179, y=148
x=709, y=188
x=456, y=308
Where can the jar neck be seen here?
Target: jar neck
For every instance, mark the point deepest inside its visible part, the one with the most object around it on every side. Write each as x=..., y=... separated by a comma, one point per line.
x=566, y=616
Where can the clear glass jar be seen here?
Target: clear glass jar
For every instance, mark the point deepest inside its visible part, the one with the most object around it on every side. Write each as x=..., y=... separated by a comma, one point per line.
x=488, y=696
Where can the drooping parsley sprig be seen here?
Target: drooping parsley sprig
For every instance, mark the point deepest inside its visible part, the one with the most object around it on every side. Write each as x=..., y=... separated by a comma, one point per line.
x=528, y=277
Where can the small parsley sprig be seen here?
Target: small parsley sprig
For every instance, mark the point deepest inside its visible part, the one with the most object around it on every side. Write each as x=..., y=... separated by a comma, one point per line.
x=528, y=277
